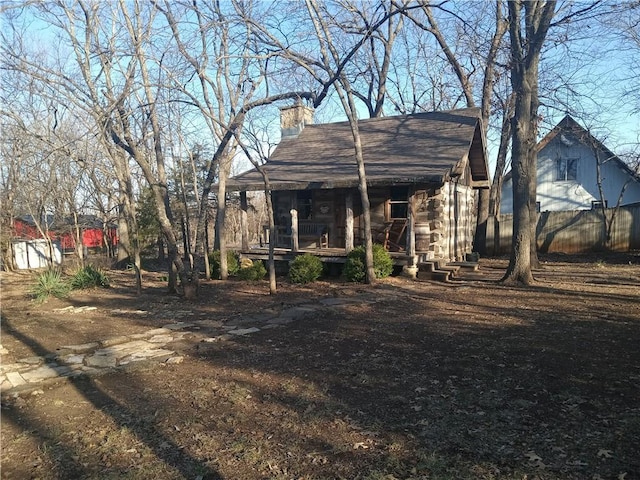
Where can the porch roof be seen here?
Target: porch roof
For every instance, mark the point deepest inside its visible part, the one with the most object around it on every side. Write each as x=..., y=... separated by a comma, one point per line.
x=417, y=148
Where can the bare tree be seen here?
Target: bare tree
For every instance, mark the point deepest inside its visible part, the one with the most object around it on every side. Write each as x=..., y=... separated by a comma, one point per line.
x=489, y=59
x=92, y=87
x=231, y=81
x=529, y=23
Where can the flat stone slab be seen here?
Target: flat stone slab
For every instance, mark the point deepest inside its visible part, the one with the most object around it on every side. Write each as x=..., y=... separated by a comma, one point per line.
x=138, y=336
x=15, y=379
x=123, y=349
x=157, y=331
x=244, y=331
x=101, y=361
x=175, y=360
x=178, y=325
x=31, y=360
x=71, y=359
x=108, y=342
x=147, y=355
x=211, y=324
x=119, y=311
x=85, y=347
x=280, y=321
x=160, y=339
x=217, y=338
x=44, y=372
x=72, y=309
x=12, y=367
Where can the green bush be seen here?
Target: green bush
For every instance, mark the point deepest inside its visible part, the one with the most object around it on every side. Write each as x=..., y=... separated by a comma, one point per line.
x=89, y=277
x=254, y=272
x=50, y=284
x=233, y=265
x=355, y=269
x=305, y=269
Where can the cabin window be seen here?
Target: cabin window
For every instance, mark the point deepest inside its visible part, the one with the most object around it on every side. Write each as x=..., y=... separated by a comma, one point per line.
x=305, y=205
x=538, y=207
x=597, y=205
x=398, y=203
x=566, y=169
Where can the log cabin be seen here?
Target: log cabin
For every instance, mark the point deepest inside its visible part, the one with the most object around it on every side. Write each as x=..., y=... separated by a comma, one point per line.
x=422, y=170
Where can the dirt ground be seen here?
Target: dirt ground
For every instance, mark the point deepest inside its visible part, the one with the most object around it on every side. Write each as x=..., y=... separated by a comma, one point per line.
x=418, y=380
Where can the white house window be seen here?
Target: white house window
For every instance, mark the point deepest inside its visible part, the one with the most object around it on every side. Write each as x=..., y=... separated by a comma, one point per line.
x=597, y=204
x=566, y=169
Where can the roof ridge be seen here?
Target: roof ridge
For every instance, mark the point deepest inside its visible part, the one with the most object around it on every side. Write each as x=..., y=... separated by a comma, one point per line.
x=396, y=117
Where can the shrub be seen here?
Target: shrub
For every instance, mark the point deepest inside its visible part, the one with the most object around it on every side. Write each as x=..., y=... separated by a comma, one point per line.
x=254, y=272
x=50, y=283
x=355, y=269
x=233, y=265
x=305, y=269
x=89, y=277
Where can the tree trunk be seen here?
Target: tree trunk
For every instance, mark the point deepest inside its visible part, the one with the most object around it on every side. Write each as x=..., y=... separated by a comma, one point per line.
x=525, y=57
x=480, y=237
x=221, y=218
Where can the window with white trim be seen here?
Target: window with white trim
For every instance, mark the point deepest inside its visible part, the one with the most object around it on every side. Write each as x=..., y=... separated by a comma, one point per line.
x=566, y=169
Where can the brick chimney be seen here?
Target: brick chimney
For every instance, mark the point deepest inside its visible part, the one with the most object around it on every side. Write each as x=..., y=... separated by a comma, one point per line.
x=293, y=119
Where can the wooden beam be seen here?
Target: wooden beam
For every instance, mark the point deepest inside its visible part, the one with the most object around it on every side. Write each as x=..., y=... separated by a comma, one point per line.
x=348, y=230
x=244, y=224
x=411, y=228
x=295, y=245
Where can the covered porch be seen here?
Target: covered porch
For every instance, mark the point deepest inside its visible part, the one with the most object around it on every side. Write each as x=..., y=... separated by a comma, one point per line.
x=328, y=223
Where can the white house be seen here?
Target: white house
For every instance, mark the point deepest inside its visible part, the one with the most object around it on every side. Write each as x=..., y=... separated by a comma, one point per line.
x=567, y=173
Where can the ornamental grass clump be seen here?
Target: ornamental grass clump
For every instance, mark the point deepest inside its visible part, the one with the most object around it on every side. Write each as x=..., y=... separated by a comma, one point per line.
x=253, y=271
x=355, y=268
x=50, y=283
x=89, y=277
x=305, y=268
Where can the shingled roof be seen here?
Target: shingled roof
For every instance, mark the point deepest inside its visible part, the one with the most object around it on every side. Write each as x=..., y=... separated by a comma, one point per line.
x=422, y=147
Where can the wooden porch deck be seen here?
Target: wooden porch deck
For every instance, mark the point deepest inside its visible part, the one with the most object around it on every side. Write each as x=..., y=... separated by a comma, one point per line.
x=327, y=255
x=435, y=269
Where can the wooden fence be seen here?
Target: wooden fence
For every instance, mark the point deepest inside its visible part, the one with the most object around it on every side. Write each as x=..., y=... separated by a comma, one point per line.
x=571, y=231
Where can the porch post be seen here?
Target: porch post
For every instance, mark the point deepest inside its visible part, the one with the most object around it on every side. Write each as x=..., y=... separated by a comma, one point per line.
x=294, y=222
x=244, y=224
x=411, y=229
x=411, y=268
x=348, y=229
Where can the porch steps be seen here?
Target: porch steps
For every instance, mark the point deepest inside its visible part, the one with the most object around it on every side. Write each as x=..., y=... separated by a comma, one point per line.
x=444, y=271
x=436, y=270
x=466, y=266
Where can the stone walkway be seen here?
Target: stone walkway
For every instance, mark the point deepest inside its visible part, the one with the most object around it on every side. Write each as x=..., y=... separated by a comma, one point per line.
x=132, y=351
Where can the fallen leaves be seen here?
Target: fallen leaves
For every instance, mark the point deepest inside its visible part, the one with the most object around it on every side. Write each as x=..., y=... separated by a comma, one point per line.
x=602, y=453
x=535, y=460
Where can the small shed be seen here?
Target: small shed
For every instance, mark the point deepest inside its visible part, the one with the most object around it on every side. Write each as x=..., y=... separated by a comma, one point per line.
x=37, y=253
x=422, y=172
